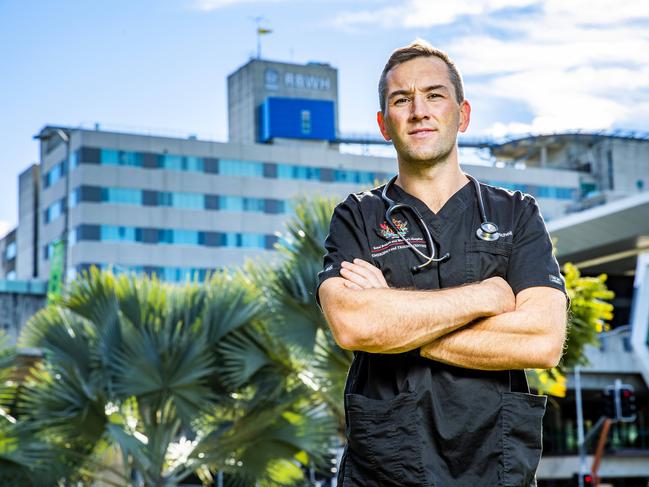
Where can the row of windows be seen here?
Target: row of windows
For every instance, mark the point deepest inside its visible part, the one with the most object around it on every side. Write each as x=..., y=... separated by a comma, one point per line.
x=164, y=236
x=174, y=199
x=226, y=167
x=257, y=169
x=168, y=236
x=112, y=233
x=167, y=274
x=539, y=191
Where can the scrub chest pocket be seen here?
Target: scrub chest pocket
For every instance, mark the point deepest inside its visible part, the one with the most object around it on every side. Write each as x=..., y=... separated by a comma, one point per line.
x=487, y=259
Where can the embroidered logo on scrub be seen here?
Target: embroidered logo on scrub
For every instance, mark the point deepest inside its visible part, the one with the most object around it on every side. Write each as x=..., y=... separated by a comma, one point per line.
x=386, y=231
x=395, y=242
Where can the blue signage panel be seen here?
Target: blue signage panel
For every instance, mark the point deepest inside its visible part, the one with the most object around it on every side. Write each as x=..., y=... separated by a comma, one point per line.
x=297, y=118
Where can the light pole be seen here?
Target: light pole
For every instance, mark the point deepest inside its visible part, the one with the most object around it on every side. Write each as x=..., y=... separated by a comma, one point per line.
x=65, y=137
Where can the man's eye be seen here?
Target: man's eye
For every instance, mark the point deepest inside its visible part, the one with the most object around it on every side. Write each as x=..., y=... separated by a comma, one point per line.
x=401, y=101
x=434, y=95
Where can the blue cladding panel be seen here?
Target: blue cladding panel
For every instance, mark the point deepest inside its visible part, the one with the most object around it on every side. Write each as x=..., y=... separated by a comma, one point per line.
x=297, y=118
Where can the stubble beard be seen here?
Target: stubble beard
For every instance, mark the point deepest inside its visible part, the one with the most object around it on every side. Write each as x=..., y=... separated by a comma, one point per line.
x=426, y=156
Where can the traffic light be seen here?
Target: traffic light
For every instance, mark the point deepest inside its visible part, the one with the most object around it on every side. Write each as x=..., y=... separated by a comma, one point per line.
x=610, y=409
x=627, y=403
x=619, y=402
x=587, y=480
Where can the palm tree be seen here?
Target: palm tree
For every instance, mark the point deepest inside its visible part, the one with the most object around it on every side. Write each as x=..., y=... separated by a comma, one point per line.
x=288, y=292
x=176, y=380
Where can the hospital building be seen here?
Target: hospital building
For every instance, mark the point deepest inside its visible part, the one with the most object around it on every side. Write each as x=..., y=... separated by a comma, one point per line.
x=182, y=207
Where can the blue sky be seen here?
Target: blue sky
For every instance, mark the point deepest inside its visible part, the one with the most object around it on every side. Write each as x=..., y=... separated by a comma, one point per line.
x=161, y=65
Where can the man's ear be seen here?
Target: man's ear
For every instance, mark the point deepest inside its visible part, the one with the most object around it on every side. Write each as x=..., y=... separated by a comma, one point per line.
x=465, y=116
x=381, y=121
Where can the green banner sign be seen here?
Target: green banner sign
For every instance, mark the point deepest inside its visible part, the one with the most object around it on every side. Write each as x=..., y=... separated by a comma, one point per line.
x=55, y=283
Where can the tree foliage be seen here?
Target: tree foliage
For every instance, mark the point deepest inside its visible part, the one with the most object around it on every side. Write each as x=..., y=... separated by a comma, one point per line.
x=144, y=383
x=176, y=379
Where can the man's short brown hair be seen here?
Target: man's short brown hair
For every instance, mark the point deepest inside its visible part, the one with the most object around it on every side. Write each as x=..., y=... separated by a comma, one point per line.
x=419, y=48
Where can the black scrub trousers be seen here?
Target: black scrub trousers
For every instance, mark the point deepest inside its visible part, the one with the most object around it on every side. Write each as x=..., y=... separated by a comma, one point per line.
x=412, y=421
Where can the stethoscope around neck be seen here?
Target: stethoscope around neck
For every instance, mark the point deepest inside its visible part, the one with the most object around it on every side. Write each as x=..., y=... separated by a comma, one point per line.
x=487, y=230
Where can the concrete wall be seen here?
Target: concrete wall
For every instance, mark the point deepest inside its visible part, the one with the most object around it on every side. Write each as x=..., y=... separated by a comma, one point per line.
x=15, y=310
x=259, y=79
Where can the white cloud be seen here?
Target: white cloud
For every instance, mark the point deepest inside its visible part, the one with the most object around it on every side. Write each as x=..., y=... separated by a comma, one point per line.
x=209, y=5
x=424, y=13
x=579, y=64
x=5, y=227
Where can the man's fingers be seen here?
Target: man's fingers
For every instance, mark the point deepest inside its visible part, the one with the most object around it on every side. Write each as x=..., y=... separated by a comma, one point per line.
x=356, y=278
x=366, y=275
x=351, y=285
x=361, y=271
x=374, y=270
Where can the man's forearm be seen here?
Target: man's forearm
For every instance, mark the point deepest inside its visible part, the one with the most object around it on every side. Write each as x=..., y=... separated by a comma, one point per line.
x=516, y=340
x=396, y=320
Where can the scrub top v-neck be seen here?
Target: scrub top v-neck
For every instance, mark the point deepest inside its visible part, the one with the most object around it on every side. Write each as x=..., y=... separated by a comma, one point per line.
x=412, y=421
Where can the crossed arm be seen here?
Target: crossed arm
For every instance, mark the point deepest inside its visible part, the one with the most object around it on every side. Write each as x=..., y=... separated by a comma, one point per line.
x=480, y=325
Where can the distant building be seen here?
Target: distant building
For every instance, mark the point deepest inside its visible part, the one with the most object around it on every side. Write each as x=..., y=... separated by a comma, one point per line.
x=183, y=207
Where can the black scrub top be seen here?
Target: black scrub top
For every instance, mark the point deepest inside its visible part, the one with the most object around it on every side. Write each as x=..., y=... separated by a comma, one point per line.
x=412, y=421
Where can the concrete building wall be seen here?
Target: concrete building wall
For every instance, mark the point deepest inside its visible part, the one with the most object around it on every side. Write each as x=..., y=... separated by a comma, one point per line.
x=252, y=83
x=27, y=232
x=15, y=310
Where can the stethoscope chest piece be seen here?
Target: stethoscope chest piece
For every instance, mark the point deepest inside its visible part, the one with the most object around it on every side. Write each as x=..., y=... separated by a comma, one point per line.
x=488, y=231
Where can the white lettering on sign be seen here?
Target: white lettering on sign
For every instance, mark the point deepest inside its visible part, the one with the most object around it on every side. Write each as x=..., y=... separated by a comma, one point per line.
x=306, y=82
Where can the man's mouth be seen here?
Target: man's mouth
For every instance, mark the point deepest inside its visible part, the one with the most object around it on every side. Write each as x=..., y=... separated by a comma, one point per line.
x=424, y=132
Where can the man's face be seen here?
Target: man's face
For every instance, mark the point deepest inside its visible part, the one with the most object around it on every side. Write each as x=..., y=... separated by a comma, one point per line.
x=422, y=116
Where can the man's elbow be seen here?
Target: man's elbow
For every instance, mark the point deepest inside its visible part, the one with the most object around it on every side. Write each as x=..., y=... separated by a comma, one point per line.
x=550, y=351
x=341, y=314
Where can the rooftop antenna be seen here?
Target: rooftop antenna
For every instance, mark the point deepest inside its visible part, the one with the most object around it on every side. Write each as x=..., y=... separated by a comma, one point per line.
x=260, y=32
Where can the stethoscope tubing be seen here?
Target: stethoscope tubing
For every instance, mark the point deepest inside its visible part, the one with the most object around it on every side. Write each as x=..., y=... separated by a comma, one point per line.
x=486, y=231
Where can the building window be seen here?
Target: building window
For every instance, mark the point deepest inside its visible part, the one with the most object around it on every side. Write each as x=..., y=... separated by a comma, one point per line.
x=306, y=122
x=54, y=211
x=289, y=171
x=111, y=233
x=181, y=163
x=10, y=251
x=110, y=157
x=54, y=174
x=229, y=167
x=124, y=196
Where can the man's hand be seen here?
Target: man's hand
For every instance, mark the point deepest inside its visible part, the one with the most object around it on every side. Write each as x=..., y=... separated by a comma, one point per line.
x=362, y=275
x=502, y=298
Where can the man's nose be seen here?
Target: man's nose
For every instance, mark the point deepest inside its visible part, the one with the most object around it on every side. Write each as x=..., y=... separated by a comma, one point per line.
x=418, y=108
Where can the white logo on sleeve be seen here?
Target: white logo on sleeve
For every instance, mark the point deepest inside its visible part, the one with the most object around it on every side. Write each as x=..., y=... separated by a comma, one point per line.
x=555, y=279
x=329, y=267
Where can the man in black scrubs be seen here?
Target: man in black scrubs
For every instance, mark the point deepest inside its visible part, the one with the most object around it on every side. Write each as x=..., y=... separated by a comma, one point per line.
x=442, y=308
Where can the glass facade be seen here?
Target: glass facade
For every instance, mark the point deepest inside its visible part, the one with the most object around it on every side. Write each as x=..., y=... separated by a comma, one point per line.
x=110, y=157
x=125, y=196
x=53, y=175
x=167, y=274
x=251, y=169
x=175, y=199
x=537, y=191
x=170, y=236
x=239, y=203
x=194, y=201
x=290, y=171
x=258, y=169
x=180, y=163
x=358, y=177
x=54, y=211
